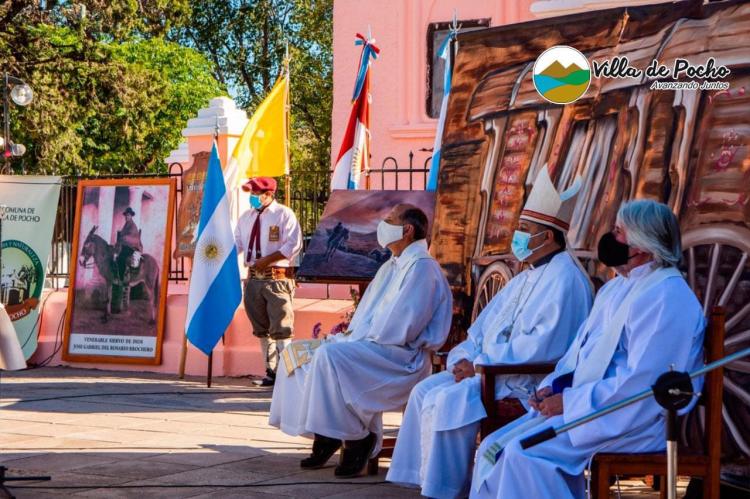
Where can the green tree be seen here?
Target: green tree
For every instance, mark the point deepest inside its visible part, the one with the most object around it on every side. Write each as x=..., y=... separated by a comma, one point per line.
x=111, y=94
x=246, y=41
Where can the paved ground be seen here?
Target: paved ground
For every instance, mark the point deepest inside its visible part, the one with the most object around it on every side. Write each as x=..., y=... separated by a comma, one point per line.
x=105, y=434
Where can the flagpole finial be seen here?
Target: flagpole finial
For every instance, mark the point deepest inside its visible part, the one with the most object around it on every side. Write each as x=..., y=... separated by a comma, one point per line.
x=455, y=27
x=369, y=33
x=216, y=128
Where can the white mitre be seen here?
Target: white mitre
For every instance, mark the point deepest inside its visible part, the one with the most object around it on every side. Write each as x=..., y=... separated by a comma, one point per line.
x=548, y=207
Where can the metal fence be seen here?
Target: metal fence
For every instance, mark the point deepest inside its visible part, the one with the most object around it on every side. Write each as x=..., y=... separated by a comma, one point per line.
x=309, y=194
x=58, y=269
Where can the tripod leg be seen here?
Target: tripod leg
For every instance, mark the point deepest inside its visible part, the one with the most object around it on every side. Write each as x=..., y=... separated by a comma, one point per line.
x=672, y=432
x=3, y=489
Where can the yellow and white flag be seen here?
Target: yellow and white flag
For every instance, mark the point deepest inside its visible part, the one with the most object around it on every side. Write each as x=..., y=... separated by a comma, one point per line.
x=263, y=149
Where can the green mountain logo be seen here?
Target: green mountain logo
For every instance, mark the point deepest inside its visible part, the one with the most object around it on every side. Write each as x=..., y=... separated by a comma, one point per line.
x=562, y=74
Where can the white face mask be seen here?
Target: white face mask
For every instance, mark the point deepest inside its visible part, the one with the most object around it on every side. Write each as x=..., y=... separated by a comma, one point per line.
x=389, y=233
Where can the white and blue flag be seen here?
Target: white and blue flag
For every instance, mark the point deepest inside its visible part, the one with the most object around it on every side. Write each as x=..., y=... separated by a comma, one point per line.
x=444, y=53
x=215, y=290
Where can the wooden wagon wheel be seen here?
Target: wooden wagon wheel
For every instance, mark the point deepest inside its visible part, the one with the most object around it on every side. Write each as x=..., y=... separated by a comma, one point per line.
x=494, y=277
x=716, y=260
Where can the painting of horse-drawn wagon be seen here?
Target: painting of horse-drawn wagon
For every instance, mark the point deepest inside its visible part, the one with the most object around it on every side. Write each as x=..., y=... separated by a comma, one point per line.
x=117, y=295
x=687, y=147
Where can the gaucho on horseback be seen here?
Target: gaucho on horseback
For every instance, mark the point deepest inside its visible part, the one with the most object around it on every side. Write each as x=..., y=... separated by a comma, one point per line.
x=129, y=241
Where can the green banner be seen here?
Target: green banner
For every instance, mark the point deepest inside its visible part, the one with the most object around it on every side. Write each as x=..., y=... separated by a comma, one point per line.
x=28, y=207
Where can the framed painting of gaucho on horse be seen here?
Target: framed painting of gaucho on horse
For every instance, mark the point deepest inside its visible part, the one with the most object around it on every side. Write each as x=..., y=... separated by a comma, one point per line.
x=119, y=265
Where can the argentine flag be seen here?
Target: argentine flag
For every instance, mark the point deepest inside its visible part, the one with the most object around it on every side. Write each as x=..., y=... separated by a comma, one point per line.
x=215, y=290
x=443, y=53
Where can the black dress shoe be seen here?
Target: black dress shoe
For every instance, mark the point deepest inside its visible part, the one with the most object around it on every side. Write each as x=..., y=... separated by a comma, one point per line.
x=355, y=456
x=268, y=380
x=323, y=449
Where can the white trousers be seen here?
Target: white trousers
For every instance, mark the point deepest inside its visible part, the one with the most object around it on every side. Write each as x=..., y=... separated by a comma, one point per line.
x=344, y=390
x=437, y=461
x=553, y=468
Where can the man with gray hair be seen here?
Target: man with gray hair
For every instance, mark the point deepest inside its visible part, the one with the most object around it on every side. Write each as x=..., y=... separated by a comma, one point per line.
x=336, y=390
x=643, y=323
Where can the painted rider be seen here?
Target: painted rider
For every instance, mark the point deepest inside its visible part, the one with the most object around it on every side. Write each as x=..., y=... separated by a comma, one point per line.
x=129, y=239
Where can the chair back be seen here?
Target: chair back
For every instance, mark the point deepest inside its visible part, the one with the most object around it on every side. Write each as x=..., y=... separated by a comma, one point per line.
x=714, y=383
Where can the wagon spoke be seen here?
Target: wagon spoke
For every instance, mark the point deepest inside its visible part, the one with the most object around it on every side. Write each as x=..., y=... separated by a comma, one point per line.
x=741, y=366
x=738, y=317
x=738, y=338
x=733, y=281
x=734, y=431
x=691, y=268
x=712, y=275
x=737, y=390
x=496, y=283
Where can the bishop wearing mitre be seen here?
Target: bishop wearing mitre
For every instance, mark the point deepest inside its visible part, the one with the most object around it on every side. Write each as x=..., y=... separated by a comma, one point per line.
x=532, y=319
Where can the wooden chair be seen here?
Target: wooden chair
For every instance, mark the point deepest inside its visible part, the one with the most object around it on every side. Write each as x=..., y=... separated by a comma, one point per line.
x=502, y=412
x=389, y=443
x=706, y=463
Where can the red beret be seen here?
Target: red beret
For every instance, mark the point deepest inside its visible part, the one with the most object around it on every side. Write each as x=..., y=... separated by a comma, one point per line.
x=261, y=184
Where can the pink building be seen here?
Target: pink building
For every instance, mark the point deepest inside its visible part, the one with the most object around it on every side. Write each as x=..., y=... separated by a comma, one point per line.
x=406, y=83
x=405, y=103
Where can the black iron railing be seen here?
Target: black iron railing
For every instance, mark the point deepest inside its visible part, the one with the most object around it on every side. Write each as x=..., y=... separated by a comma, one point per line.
x=58, y=270
x=310, y=190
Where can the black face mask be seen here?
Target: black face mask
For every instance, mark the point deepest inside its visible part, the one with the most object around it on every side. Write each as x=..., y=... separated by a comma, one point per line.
x=611, y=252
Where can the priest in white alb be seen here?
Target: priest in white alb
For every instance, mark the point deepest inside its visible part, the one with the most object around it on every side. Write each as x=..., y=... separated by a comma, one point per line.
x=534, y=318
x=352, y=378
x=643, y=322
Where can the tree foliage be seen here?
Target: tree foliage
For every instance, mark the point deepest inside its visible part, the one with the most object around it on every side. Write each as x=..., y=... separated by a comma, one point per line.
x=111, y=94
x=115, y=82
x=246, y=41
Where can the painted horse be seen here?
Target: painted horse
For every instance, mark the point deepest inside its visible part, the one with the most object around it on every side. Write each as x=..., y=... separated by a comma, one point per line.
x=104, y=257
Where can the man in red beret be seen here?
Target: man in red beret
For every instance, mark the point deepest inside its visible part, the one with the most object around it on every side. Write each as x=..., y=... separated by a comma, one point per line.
x=270, y=236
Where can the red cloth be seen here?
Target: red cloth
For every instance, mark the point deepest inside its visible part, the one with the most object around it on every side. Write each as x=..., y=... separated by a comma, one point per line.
x=254, y=239
x=260, y=184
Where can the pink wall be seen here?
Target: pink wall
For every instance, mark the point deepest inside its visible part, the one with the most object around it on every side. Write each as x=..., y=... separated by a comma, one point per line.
x=399, y=121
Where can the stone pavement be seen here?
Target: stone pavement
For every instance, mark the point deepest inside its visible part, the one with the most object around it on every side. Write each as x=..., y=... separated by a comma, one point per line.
x=105, y=434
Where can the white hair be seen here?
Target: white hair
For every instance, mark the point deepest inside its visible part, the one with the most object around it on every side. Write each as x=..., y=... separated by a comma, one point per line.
x=652, y=227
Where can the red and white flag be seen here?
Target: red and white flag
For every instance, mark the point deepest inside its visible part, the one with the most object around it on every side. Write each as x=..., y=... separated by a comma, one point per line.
x=354, y=155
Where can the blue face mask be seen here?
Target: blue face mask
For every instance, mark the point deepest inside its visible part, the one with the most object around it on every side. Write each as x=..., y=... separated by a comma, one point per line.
x=255, y=201
x=520, y=245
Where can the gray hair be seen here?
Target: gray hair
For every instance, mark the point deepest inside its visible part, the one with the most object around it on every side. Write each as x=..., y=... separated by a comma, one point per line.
x=652, y=227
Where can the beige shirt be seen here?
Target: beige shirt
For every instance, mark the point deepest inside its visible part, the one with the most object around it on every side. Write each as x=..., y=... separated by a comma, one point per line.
x=279, y=231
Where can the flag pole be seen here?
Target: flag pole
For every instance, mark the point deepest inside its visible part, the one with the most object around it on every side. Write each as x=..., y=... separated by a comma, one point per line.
x=287, y=126
x=367, y=142
x=209, y=367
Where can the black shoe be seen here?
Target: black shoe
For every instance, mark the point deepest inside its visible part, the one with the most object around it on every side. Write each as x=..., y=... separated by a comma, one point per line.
x=268, y=380
x=355, y=456
x=323, y=449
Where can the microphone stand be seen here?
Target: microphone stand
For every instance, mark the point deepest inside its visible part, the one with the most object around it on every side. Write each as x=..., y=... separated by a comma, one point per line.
x=673, y=390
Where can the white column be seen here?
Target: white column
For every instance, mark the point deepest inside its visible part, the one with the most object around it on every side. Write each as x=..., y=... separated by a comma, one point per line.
x=180, y=155
x=106, y=209
x=135, y=201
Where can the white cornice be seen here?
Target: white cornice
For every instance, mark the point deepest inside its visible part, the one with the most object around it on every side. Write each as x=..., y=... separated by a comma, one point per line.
x=221, y=112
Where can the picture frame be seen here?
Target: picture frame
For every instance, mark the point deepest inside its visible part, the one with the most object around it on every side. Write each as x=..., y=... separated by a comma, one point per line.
x=119, y=271
x=344, y=248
